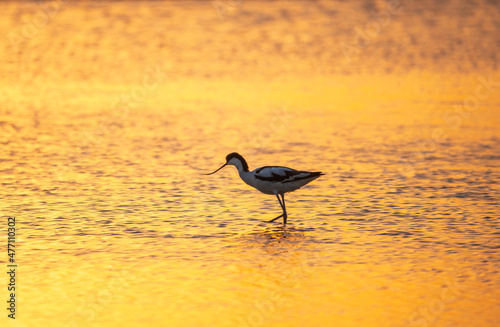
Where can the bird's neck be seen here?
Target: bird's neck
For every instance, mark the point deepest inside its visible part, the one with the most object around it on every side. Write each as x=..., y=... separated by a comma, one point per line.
x=242, y=166
x=246, y=176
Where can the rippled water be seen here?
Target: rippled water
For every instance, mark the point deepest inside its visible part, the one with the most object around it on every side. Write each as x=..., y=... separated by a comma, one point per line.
x=111, y=113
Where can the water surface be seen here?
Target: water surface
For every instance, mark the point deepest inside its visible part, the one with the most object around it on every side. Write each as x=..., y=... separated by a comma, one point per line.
x=112, y=111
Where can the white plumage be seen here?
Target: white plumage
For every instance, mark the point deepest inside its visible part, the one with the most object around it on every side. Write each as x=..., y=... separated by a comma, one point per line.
x=275, y=180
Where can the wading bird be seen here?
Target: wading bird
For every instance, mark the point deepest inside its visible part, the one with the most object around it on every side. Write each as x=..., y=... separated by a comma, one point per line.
x=271, y=179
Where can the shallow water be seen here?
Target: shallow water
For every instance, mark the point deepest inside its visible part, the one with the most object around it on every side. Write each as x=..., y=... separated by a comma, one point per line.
x=111, y=112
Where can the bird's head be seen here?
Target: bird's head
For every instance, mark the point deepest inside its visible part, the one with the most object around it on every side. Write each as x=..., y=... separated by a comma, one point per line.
x=236, y=160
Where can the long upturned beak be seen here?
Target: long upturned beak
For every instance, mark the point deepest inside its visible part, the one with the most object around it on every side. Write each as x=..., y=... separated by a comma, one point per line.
x=224, y=165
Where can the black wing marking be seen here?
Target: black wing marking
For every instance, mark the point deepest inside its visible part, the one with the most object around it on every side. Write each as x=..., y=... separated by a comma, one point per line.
x=283, y=174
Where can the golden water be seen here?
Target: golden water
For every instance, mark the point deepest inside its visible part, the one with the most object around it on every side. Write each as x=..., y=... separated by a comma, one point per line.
x=111, y=111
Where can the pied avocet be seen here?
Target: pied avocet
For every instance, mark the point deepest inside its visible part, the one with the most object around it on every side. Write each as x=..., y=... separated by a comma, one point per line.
x=275, y=180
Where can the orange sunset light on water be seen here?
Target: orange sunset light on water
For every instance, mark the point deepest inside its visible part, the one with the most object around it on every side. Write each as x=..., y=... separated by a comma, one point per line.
x=113, y=111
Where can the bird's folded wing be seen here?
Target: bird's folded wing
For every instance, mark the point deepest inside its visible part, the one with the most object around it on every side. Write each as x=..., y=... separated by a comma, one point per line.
x=281, y=174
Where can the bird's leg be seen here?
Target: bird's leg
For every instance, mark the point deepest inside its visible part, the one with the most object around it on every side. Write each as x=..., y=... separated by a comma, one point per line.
x=282, y=207
x=270, y=221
